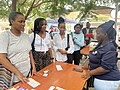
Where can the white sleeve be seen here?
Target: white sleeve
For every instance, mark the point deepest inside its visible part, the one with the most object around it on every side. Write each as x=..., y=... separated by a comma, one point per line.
x=50, y=41
x=55, y=48
x=4, y=42
x=31, y=37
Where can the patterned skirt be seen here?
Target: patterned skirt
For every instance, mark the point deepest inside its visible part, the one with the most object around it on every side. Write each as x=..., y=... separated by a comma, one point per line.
x=42, y=59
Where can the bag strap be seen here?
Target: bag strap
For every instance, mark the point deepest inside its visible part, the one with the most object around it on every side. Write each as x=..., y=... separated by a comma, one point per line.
x=68, y=45
x=33, y=48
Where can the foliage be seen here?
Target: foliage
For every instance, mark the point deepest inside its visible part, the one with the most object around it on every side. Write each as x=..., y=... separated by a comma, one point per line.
x=51, y=8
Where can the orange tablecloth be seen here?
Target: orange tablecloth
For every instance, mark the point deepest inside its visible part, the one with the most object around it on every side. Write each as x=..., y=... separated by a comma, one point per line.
x=66, y=78
x=85, y=50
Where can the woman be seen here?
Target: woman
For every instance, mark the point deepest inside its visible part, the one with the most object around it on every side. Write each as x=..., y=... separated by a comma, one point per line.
x=103, y=60
x=60, y=43
x=41, y=44
x=15, y=51
x=78, y=38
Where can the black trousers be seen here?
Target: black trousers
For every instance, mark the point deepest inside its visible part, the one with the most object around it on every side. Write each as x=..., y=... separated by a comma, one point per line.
x=76, y=57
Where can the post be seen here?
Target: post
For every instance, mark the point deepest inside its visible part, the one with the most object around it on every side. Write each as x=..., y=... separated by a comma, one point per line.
x=116, y=13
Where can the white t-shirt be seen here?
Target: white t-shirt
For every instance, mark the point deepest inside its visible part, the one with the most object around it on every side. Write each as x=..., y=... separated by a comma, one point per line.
x=41, y=44
x=17, y=49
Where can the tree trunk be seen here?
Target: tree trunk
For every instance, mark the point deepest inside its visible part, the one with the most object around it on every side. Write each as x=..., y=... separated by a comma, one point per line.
x=14, y=2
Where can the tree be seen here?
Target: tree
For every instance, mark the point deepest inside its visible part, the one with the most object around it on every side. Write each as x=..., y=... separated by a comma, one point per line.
x=35, y=7
x=51, y=8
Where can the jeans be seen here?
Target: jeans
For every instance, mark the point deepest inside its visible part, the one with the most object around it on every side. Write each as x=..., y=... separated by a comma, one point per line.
x=106, y=85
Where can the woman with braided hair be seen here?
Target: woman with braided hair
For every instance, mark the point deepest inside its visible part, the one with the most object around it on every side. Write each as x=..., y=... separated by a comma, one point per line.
x=41, y=44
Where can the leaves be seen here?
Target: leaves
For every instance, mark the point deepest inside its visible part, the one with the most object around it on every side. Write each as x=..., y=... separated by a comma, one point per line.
x=51, y=8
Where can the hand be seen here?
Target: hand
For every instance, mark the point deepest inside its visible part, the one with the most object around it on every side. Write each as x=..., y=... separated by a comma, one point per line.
x=62, y=51
x=22, y=78
x=34, y=72
x=86, y=76
x=74, y=38
x=51, y=61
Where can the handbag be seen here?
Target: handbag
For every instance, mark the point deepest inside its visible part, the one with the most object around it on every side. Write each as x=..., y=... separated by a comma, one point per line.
x=5, y=78
x=69, y=56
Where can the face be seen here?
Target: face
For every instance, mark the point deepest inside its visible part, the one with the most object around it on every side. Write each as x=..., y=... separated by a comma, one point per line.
x=88, y=25
x=19, y=23
x=61, y=27
x=43, y=25
x=100, y=35
x=77, y=29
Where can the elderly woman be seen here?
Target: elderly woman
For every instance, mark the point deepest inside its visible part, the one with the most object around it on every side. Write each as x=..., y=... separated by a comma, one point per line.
x=103, y=59
x=15, y=52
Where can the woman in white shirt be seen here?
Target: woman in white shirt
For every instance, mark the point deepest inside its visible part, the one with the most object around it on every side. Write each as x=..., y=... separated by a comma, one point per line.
x=41, y=44
x=60, y=43
x=15, y=53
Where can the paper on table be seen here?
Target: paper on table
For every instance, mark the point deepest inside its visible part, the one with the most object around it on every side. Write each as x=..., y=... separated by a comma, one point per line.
x=33, y=83
x=58, y=88
x=51, y=88
x=59, y=67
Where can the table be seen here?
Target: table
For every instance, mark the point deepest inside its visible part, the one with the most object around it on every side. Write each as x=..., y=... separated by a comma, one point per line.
x=66, y=78
x=85, y=50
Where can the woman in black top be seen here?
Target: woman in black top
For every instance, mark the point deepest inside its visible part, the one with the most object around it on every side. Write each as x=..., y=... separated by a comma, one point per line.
x=103, y=59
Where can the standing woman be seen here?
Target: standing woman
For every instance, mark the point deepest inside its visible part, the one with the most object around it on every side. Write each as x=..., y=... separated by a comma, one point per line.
x=60, y=43
x=78, y=39
x=103, y=59
x=41, y=44
x=15, y=52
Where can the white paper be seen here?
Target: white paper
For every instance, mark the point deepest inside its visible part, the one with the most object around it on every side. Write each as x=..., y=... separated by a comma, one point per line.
x=45, y=74
x=33, y=83
x=59, y=67
x=58, y=88
x=46, y=71
x=51, y=88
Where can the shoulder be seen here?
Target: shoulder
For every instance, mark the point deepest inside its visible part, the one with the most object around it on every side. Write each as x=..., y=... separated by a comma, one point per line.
x=32, y=34
x=24, y=35
x=84, y=29
x=110, y=46
x=5, y=33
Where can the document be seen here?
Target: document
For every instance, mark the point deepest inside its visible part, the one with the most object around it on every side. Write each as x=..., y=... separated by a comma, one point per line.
x=33, y=83
x=58, y=67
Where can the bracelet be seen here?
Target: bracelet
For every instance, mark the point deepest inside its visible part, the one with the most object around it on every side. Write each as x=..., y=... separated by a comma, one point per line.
x=52, y=58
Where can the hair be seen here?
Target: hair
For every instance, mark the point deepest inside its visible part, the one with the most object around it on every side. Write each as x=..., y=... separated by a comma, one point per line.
x=81, y=26
x=13, y=15
x=37, y=26
x=60, y=20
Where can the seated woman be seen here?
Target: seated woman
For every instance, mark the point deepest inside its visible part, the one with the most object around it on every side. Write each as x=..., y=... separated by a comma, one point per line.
x=103, y=59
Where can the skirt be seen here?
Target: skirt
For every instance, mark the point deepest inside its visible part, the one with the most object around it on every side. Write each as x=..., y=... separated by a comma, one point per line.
x=42, y=59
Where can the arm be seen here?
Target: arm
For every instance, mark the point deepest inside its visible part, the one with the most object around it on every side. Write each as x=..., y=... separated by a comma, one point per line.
x=79, y=40
x=32, y=63
x=4, y=61
x=55, y=47
x=107, y=63
x=51, y=55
